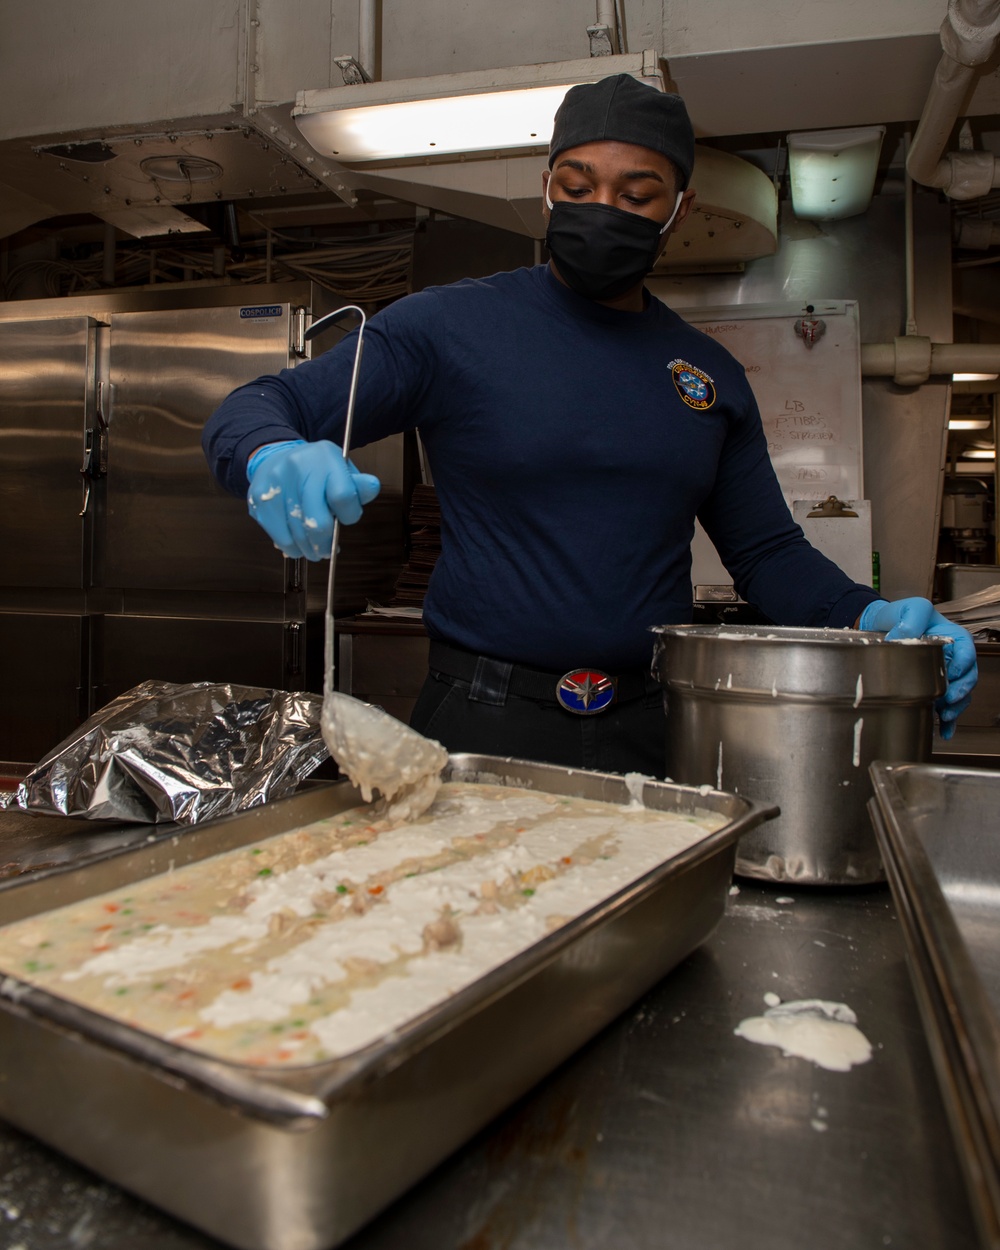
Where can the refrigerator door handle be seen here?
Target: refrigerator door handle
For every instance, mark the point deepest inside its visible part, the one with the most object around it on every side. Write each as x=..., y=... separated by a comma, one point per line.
x=297, y=327
x=95, y=462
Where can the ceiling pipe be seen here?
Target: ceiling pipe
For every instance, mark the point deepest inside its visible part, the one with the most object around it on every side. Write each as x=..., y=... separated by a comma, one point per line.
x=365, y=66
x=367, y=50
x=602, y=34
x=969, y=36
x=913, y=360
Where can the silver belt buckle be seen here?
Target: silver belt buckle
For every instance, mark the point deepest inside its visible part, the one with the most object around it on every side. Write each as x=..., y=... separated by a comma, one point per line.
x=585, y=691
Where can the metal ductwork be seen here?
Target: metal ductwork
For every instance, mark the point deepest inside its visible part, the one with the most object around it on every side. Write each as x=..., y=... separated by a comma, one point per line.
x=203, y=112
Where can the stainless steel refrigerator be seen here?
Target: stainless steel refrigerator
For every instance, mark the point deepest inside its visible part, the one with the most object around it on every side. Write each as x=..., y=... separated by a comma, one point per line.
x=120, y=557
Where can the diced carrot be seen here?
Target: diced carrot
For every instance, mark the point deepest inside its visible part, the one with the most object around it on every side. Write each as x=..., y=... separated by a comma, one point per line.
x=185, y=996
x=567, y=859
x=375, y=889
x=103, y=928
x=111, y=907
x=243, y=983
x=103, y=946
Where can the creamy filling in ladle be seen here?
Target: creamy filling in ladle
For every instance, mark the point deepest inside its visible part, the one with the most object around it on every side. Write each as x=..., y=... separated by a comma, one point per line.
x=375, y=750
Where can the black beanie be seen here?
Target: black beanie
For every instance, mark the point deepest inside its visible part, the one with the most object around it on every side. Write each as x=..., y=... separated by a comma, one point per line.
x=628, y=111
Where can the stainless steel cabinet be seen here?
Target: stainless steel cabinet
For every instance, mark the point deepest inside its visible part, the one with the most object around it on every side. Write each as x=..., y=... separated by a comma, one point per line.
x=129, y=649
x=47, y=381
x=44, y=687
x=169, y=525
x=141, y=566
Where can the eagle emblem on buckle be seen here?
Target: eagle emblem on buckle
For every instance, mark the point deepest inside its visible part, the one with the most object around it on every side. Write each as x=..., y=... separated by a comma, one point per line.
x=585, y=691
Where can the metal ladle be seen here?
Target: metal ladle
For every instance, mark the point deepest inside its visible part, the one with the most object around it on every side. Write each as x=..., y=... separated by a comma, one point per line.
x=374, y=749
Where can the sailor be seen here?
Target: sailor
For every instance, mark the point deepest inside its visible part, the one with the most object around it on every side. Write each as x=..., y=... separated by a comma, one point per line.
x=576, y=427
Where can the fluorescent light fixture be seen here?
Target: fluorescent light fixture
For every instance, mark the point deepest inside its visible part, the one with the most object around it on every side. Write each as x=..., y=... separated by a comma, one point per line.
x=969, y=423
x=979, y=453
x=832, y=172
x=471, y=123
x=974, y=377
x=452, y=114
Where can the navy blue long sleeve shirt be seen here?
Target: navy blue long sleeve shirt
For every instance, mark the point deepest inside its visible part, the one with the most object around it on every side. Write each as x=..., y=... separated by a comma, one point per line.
x=572, y=447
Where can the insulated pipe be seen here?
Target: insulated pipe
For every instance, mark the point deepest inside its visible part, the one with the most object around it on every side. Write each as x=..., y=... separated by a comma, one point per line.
x=367, y=17
x=968, y=39
x=913, y=360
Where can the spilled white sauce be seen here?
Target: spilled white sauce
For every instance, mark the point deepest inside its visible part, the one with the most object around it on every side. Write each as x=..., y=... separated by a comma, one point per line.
x=718, y=769
x=270, y=494
x=825, y=1033
x=859, y=691
x=635, y=784
x=859, y=724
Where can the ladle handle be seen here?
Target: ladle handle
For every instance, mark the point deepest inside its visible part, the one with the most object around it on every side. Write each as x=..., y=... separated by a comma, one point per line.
x=328, y=653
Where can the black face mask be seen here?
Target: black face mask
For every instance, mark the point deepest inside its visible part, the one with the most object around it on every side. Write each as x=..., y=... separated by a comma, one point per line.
x=601, y=251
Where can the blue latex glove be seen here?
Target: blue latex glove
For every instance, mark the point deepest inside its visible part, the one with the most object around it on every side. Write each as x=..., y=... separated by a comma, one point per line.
x=916, y=618
x=298, y=488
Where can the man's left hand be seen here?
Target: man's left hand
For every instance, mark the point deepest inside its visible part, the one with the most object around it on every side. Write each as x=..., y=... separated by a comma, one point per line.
x=918, y=618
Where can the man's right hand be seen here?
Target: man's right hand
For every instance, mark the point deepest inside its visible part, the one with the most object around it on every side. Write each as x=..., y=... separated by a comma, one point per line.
x=297, y=490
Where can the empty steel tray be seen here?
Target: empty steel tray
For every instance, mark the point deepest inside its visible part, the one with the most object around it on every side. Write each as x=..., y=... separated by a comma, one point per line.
x=939, y=833
x=297, y=1160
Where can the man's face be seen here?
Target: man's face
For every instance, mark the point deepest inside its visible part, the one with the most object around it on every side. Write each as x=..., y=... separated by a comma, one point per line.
x=622, y=175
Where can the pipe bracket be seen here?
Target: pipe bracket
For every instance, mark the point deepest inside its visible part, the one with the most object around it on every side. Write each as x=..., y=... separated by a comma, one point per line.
x=913, y=360
x=973, y=174
x=971, y=43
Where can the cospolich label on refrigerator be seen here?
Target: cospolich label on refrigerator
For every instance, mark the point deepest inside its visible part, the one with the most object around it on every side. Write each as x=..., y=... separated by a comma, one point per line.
x=261, y=312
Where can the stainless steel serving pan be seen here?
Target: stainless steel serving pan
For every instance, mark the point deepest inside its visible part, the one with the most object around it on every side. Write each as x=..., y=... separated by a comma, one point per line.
x=939, y=833
x=298, y=1160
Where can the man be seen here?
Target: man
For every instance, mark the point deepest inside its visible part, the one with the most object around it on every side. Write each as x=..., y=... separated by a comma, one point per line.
x=575, y=428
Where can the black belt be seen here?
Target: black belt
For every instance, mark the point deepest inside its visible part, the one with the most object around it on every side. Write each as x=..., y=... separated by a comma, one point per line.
x=492, y=680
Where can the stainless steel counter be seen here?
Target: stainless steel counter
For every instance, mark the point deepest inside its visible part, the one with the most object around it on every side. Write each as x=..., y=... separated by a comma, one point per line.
x=665, y=1131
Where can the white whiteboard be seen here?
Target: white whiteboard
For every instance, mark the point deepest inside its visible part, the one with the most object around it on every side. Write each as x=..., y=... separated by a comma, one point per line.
x=809, y=400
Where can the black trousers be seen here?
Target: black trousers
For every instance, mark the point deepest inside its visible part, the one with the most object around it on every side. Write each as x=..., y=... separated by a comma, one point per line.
x=473, y=704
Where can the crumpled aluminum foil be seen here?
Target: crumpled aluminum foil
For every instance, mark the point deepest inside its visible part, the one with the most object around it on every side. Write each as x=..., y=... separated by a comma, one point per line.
x=166, y=752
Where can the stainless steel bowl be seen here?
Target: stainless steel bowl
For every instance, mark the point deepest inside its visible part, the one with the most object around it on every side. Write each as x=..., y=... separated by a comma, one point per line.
x=796, y=716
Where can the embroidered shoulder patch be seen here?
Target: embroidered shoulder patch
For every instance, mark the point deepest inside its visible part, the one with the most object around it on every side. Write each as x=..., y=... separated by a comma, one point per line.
x=693, y=385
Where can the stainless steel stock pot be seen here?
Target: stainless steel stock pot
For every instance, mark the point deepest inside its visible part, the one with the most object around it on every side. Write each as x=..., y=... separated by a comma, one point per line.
x=796, y=716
